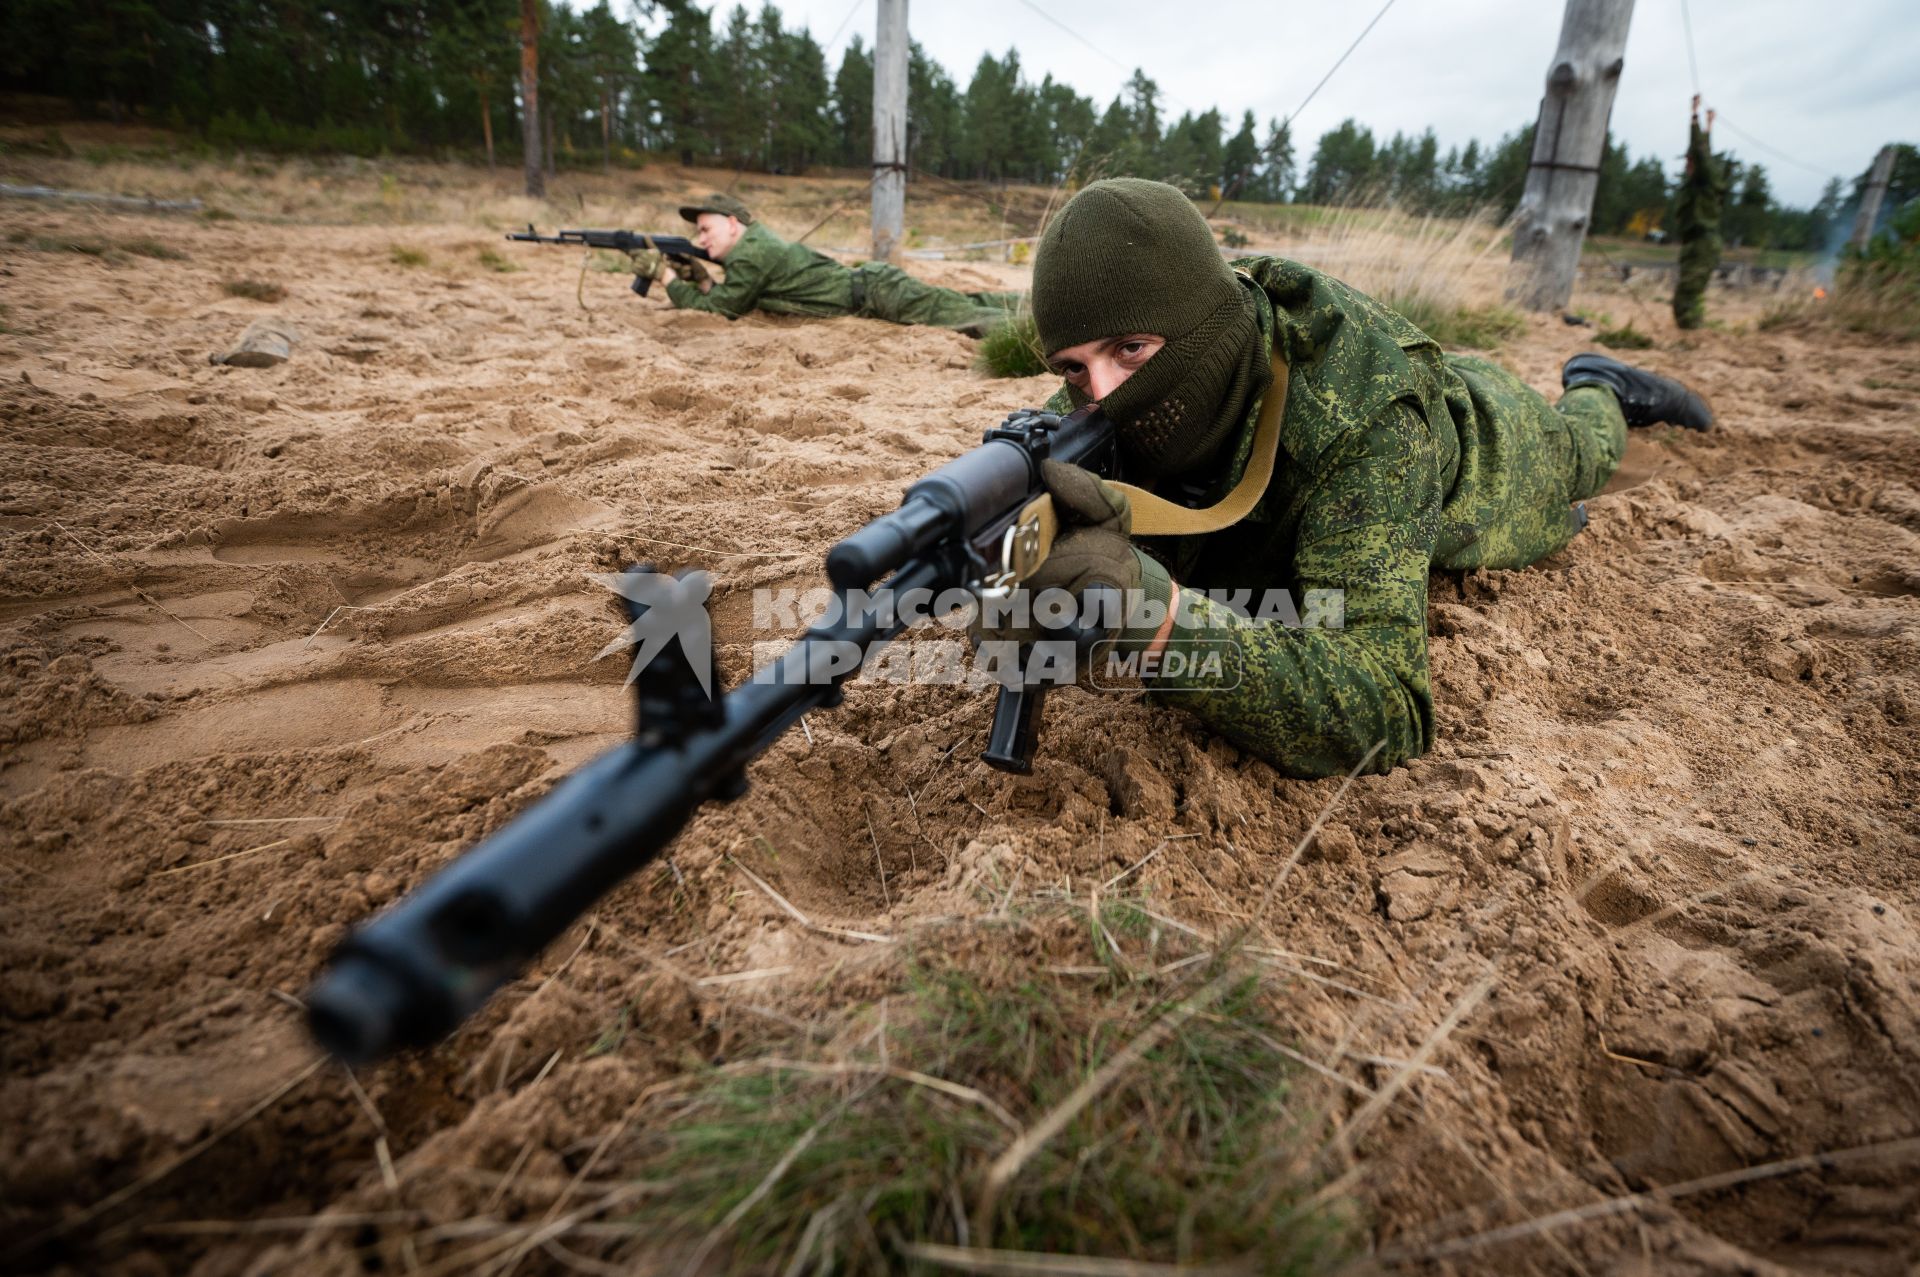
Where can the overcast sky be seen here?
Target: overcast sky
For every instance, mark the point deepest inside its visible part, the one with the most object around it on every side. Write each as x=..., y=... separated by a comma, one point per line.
x=1822, y=84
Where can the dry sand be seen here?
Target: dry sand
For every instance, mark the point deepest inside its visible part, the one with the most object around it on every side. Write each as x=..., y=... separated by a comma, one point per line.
x=279, y=641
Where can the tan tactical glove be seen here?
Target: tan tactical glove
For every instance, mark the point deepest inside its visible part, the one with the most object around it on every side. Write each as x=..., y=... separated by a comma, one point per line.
x=691, y=269
x=1092, y=551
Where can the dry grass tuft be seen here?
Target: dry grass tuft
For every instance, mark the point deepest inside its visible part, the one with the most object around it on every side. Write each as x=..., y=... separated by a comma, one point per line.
x=1439, y=273
x=259, y=290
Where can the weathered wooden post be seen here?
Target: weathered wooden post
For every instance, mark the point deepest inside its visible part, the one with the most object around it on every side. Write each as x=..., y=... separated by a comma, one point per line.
x=1557, y=205
x=889, y=130
x=1871, y=198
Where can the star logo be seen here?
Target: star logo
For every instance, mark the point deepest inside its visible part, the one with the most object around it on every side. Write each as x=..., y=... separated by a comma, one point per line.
x=667, y=607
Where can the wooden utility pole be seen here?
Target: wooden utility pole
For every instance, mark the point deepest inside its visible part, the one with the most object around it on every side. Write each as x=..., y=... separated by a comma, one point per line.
x=530, y=96
x=889, y=130
x=1871, y=198
x=1568, y=143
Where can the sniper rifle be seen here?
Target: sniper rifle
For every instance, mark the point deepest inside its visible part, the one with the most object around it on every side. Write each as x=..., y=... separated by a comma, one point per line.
x=677, y=249
x=414, y=972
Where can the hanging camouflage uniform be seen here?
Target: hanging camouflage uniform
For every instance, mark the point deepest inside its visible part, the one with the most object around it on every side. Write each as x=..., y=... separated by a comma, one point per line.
x=767, y=273
x=1703, y=193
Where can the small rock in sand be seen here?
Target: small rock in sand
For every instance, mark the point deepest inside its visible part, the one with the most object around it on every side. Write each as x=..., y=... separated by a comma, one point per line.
x=266, y=342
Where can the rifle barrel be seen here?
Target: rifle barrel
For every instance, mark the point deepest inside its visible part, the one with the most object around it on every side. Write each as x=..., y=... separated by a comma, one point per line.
x=414, y=972
x=410, y=975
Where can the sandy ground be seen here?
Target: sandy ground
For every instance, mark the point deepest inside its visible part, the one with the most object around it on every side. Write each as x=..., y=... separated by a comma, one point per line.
x=279, y=641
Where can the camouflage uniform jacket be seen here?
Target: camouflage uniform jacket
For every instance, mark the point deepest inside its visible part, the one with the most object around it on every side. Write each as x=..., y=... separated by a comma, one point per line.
x=767, y=273
x=1392, y=460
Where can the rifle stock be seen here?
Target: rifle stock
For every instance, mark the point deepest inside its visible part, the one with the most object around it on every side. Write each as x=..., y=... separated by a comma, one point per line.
x=413, y=973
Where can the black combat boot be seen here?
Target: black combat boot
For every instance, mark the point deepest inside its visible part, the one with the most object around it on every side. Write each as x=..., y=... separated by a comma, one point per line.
x=1646, y=398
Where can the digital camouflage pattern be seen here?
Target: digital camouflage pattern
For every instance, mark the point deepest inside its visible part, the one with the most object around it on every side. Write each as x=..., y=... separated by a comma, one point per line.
x=767, y=273
x=899, y=298
x=1703, y=194
x=1394, y=459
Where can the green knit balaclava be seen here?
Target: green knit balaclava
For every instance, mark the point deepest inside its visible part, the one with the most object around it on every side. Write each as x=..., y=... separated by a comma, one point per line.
x=1132, y=256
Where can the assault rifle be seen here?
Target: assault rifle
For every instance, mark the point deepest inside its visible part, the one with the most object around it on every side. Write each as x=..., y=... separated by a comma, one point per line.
x=675, y=248
x=410, y=975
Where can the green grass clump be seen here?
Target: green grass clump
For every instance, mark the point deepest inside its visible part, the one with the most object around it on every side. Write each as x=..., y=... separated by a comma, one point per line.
x=82, y=244
x=495, y=261
x=1476, y=327
x=259, y=290
x=607, y=262
x=403, y=256
x=1190, y=1155
x=147, y=246
x=1012, y=349
x=1626, y=337
x=91, y=246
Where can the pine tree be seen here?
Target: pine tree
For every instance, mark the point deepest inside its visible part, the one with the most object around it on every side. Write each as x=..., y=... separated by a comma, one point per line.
x=1344, y=167
x=1143, y=104
x=933, y=114
x=679, y=80
x=803, y=131
x=1240, y=162
x=1277, y=166
x=853, y=105
x=1113, y=148
x=1749, y=220
x=1069, y=120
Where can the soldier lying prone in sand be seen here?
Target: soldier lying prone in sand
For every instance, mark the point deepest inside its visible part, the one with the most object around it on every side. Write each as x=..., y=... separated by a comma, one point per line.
x=1391, y=459
x=766, y=272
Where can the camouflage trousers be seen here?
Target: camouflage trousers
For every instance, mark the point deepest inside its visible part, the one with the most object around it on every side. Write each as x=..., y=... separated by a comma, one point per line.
x=1699, y=256
x=1550, y=456
x=897, y=297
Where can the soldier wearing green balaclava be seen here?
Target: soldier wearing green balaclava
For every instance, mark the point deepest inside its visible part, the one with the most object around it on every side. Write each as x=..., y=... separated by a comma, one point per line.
x=1393, y=459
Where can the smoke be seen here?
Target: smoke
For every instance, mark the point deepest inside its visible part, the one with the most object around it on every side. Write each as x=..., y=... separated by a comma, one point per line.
x=1839, y=231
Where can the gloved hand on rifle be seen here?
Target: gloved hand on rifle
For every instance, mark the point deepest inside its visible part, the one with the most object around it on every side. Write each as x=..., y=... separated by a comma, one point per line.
x=1092, y=552
x=691, y=269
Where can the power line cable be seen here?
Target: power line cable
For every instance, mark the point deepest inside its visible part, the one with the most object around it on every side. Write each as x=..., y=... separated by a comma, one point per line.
x=1337, y=65
x=1097, y=49
x=835, y=38
x=1295, y=114
x=1693, y=65
x=1720, y=117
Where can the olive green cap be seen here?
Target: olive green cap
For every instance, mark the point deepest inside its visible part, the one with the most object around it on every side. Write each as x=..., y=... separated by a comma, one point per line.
x=1126, y=255
x=725, y=205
